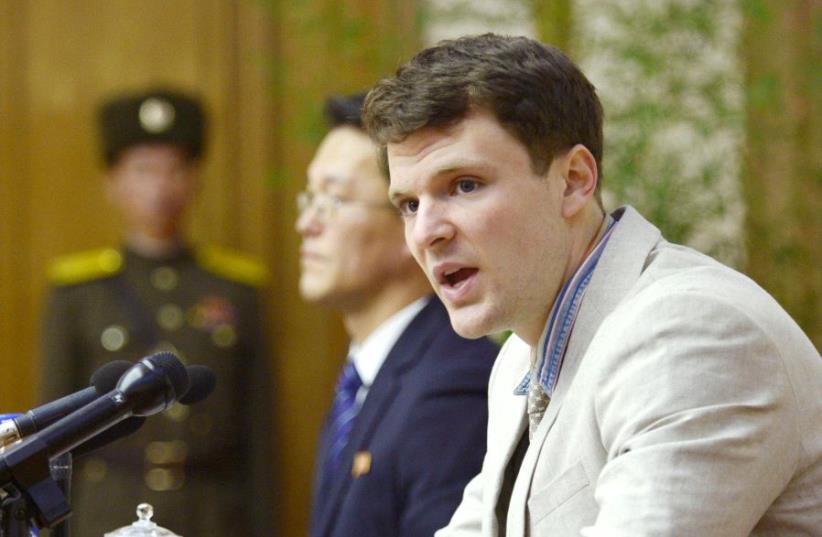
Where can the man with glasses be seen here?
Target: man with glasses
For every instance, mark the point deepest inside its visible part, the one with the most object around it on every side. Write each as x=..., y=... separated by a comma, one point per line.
x=406, y=430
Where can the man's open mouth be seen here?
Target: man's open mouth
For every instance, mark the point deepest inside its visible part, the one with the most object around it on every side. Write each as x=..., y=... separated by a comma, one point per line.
x=456, y=277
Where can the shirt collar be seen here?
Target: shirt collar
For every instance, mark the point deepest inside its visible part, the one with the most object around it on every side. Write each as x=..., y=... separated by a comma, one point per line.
x=369, y=355
x=557, y=332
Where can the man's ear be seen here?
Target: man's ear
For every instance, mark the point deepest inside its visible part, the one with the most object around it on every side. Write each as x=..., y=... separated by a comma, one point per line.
x=580, y=175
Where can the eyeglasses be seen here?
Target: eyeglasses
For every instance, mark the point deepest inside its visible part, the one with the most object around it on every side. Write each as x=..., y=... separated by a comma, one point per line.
x=327, y=205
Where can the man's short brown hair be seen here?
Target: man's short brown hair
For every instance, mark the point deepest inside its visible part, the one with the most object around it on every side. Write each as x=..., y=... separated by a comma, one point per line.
x=534, y=90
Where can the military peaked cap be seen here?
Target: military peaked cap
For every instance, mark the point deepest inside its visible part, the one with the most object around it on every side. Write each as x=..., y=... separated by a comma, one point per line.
x=154, y=116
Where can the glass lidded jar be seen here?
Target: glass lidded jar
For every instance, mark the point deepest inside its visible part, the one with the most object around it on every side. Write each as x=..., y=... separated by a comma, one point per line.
x=143, y=527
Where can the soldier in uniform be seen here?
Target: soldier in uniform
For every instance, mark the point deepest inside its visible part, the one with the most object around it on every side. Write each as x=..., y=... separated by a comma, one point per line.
x=206, y=469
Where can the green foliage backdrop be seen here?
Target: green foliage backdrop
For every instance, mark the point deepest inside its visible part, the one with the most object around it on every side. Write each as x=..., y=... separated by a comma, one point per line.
x=671, y=85
x=713, y=127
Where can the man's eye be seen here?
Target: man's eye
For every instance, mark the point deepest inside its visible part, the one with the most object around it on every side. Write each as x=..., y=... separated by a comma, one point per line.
x=466, y=185
x=409, y=207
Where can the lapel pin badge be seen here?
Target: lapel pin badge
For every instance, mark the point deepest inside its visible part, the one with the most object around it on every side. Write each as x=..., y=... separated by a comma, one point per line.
x=361, y=464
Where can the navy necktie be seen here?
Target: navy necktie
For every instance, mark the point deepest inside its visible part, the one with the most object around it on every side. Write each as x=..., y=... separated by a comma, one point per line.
x=343, y=412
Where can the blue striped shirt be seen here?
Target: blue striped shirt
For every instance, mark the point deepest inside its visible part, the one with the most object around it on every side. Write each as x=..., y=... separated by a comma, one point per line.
x=554, y=341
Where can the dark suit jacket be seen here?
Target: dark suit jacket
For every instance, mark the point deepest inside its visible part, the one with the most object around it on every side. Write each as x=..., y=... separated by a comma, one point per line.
x=423, y=425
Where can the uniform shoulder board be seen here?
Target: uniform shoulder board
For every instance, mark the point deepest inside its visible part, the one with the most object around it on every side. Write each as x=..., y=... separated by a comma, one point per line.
x=81, y=267
x=232, y=265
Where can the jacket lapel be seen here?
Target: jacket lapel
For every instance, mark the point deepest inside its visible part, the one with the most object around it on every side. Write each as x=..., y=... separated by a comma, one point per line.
x=616, y=273
x=409, y=347
x=507, y=422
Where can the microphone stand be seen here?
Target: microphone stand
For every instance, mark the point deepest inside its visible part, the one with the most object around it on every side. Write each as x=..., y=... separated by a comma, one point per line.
x=25, y=475
x=14, y=513
x=60, y=467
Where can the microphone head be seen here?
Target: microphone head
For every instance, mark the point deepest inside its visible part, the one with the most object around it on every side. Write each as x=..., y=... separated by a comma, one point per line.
x=106, y=377
x=153, y=384
x=173, y=370
x=202, y=383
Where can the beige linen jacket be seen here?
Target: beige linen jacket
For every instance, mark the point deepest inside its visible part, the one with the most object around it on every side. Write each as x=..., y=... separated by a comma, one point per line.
x=689, y=404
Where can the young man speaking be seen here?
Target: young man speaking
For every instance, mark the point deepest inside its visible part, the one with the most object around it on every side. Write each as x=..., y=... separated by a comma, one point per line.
x=649, y=390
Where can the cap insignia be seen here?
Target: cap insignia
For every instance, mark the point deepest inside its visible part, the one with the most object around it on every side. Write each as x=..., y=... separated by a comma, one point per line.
x=156, y=115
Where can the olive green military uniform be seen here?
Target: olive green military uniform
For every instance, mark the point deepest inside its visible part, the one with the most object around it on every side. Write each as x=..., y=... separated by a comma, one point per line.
x=204, y=468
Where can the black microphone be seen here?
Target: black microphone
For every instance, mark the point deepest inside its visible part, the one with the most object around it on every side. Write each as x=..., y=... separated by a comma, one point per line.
x=202, y=382
x=102, y=381
x=115, y=432
x=150, y=386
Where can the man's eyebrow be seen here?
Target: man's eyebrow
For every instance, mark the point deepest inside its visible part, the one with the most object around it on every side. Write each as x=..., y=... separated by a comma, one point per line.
x=326, y=180
x=449, y=169
x=462, y=165
x=394, y=196
x=332, y=179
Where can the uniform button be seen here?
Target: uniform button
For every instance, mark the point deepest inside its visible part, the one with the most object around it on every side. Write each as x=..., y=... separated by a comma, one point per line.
x=164, y=278
x=164, y=479
x=170, y=317
x=169, y=452
x=224, y=336
x=94, y=470
x=114, y=337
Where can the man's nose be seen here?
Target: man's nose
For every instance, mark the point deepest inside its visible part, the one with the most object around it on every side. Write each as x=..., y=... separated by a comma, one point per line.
x=164, y=177
x=431, y=225
x=307, y=222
